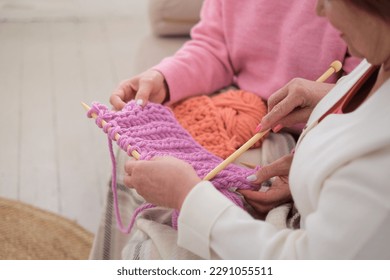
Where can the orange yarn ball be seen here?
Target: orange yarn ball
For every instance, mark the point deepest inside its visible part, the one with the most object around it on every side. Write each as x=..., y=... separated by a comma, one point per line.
x=221, y=123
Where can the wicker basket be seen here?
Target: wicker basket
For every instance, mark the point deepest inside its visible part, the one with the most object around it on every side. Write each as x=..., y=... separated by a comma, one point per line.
x=29, y=233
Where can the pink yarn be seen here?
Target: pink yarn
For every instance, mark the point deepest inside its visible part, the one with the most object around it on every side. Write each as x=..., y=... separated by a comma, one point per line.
x=154, y=131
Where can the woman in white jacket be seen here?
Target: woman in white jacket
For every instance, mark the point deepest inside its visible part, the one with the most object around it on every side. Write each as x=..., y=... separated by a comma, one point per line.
x=339, y=176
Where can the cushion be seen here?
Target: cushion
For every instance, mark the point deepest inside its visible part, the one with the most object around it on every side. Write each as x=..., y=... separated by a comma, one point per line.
x=173, y=17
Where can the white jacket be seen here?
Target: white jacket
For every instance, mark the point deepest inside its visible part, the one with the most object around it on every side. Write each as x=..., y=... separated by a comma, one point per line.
x=340, y=182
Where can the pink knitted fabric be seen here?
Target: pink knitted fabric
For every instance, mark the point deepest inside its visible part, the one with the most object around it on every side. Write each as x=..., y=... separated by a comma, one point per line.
x=154, y=131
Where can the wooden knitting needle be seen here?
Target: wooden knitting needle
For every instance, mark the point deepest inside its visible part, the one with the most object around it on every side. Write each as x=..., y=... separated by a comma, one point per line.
x=249, y=165
x=335, y=66
x=134, y=153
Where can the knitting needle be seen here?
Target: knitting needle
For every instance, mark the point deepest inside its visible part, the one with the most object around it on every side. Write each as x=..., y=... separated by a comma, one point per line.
x=134, y=153
x=249, y=165
x=335, y=66
x=235, y=155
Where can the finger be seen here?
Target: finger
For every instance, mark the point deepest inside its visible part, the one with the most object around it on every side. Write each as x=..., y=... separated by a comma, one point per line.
x=127, y=89
x=280, y=167
x=127, y=181
x=274, y=194
x=262, y=175
x=277, y=97
x=266, y=172
x=251, y=195
x=144, y=91
x=123, y=94
x=295, y=117
x=117, y=102
x=261, y=202
x=128, y=86
x=280, y=110
x=129, y=166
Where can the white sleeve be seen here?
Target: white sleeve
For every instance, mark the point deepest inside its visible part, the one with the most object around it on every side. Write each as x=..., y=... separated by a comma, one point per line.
x=211, y=225
x=351, y=221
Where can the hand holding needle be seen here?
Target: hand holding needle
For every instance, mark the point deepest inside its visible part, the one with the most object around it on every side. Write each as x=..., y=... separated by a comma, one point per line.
x=134, y=153
x=334, y=67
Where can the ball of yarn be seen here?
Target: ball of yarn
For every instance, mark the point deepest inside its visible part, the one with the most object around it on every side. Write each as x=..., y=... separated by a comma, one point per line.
x=222, y=123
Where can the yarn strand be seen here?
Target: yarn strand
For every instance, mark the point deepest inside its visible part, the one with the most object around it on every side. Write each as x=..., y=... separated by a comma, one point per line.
x=114, y=190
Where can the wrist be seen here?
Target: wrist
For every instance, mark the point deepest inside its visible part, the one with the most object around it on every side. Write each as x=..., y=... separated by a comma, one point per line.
x=184, y=193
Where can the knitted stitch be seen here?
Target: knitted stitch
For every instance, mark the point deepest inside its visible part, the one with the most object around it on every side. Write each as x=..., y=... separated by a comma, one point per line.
x=221, y=123
x=153, y=131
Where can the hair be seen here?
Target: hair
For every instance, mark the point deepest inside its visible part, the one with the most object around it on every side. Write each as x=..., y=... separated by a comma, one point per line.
x=379, y=8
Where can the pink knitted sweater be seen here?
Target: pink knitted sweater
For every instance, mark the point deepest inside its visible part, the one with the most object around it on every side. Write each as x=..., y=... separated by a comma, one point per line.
x=154, y=131
x=258, y=45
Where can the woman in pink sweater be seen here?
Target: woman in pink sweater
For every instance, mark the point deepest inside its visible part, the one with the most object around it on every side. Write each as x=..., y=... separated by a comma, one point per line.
x=256, y=45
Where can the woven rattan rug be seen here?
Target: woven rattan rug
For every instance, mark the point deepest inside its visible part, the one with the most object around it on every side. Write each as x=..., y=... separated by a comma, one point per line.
x=29, y=233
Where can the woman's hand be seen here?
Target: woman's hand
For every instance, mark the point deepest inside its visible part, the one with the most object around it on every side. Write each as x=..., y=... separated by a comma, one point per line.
x=278, y=193
x=147, y=86
x=293, y=103
x=163, y=181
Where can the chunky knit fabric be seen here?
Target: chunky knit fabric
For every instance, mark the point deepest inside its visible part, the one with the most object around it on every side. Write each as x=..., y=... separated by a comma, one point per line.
x=221, y=123
x=154, y=131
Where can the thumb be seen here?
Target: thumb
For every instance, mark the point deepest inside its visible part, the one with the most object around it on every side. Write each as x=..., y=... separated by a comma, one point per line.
x=266, y=172
x=280, y=167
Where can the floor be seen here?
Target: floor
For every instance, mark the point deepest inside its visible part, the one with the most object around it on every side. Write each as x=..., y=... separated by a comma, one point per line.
x=53, y=55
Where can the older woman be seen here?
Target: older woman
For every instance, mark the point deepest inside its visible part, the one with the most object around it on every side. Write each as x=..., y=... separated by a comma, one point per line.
x=339, y=175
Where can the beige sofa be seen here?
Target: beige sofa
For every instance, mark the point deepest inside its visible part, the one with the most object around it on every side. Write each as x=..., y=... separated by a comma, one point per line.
x=170, y=24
